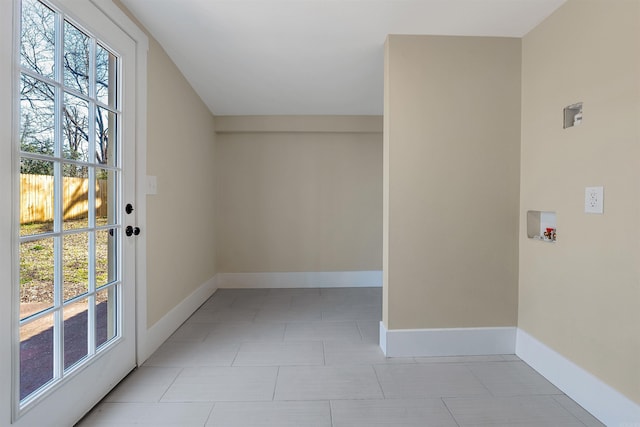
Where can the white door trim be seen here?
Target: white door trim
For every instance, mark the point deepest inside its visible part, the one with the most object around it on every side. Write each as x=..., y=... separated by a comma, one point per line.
x=8, y=246
x=142, y=47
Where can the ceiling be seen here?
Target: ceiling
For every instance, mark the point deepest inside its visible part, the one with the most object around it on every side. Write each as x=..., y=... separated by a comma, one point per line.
x=293, y=57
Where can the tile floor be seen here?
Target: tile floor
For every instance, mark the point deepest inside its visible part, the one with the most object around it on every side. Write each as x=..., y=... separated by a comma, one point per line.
x=310, y=357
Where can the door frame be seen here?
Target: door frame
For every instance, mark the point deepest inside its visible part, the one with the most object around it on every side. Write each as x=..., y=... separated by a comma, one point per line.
x=126, y=24
x=9, y=121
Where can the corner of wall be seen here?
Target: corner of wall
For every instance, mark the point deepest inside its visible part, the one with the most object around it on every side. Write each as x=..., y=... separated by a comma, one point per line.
x=578, y=297
x=159, y=332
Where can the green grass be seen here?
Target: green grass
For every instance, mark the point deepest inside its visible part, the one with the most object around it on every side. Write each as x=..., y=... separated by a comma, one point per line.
x=37, y=262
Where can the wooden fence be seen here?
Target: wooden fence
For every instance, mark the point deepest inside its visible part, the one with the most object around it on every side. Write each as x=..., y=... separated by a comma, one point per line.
x=36, y=198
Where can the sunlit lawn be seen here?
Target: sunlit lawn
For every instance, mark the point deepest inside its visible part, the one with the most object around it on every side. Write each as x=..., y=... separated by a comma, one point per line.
x=37, y=266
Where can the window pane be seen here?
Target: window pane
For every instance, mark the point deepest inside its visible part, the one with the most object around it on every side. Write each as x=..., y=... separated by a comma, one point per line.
x=75, y=128
x=36, y=355
x=37, y=38
x=106, y=315
x=36, y=197
x=76, y=59
x=75, y=331
x=105, y=76
x=105, y=256
x=37, y=119
x=75, y=196
x=105, y=137
x=75, y=264
x=36, y=276
x=105, y=197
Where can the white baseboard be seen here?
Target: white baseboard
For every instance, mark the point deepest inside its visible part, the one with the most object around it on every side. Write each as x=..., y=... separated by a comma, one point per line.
x=383, y=338
x=167, y=325
x=601, y=400
x=447, y=342
x=324, y=279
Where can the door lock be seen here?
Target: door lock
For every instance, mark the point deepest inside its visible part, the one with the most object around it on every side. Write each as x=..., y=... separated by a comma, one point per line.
x=132, y=231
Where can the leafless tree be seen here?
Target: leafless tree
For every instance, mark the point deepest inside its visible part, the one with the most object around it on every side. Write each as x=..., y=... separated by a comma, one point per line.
x=38, y=47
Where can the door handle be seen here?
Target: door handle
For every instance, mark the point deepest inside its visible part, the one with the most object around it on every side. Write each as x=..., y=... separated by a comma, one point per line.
x=132, y=231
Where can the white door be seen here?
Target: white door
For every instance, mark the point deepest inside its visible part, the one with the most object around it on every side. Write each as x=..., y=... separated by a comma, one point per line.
x=74, y=307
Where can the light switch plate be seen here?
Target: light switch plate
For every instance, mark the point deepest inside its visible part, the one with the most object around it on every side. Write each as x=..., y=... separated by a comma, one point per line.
x=594, y=200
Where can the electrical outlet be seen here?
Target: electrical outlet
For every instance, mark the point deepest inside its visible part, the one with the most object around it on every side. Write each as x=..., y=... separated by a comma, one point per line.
x=594, y=200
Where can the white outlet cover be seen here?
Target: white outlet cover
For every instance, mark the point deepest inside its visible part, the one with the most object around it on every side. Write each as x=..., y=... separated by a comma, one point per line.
x=594, y=200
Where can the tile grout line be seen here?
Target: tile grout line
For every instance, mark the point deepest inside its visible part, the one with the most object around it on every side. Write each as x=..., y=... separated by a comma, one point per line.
x=453, y=417
x=275, y=385
x=375, y=372
x=170, y=385
x=331, y=412
x=473, y=374
x=359, y=330
x=213, y=406
x=237, y=353
x=324, y=354
x=553, y=396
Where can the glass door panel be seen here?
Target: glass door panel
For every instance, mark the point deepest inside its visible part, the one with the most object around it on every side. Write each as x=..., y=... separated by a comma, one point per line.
x=105, y=132
x=75, y=265
x=72, y=183
x=75, y=196
x=37, y=116
x=37, y=36
x=36, y=197
x=37, y=275
x=105, y=312
x=105, y=257
x=77, y=58
x=76, y=128
x=37, y=349
x=76, y=321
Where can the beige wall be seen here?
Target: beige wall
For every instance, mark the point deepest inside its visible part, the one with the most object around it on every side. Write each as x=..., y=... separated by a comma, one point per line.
x=581, y=295
x=452, y=147
x=299, y=194
x=180, y=222
x=180, y=152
